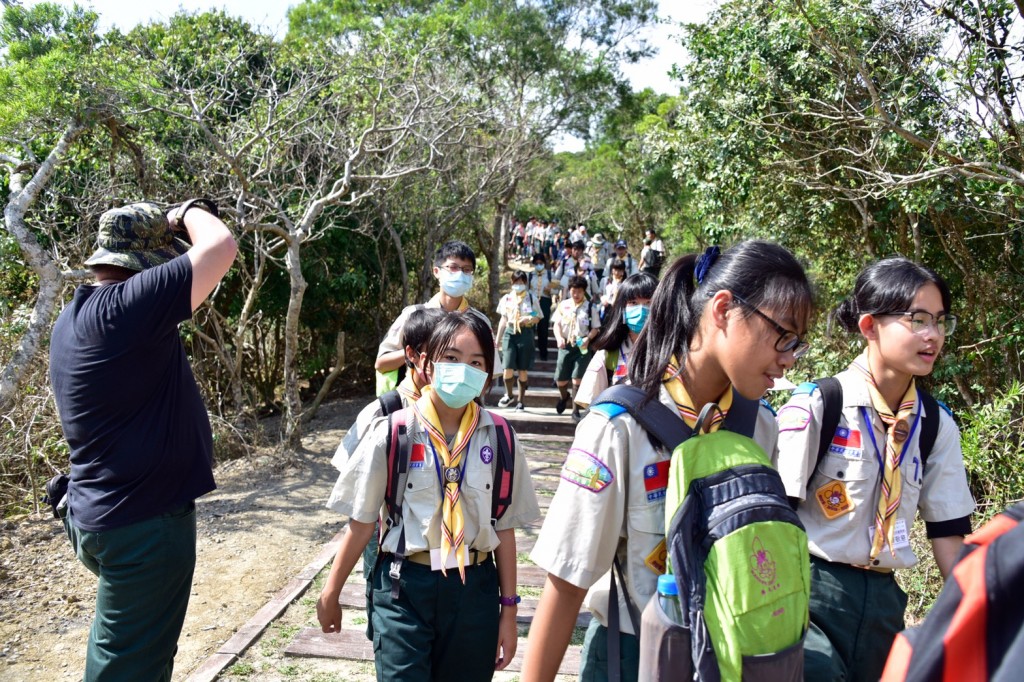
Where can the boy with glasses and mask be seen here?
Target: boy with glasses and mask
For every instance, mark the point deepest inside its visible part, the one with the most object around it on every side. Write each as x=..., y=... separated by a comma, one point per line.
x=454, y=265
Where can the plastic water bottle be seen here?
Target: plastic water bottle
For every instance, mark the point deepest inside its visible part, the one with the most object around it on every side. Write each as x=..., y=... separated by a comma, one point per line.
x=665, y=645
x=583, y=349
x=668, y=597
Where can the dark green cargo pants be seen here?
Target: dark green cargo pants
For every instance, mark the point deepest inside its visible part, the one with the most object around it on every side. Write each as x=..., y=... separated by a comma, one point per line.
x=145, y=579
x=438, y=628
x=855, y=615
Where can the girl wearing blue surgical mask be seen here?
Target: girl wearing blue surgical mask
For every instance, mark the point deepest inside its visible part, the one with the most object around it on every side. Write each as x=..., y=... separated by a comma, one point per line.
x=454, y=615
x=614, y=345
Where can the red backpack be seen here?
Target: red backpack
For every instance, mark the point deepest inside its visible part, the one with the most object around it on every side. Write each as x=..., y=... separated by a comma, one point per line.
x=975, y=630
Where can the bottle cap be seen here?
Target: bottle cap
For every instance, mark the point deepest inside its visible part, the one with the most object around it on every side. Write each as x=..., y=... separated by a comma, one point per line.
x=667, y=585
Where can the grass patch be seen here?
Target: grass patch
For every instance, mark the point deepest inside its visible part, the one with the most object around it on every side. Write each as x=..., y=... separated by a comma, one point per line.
x=242, y=669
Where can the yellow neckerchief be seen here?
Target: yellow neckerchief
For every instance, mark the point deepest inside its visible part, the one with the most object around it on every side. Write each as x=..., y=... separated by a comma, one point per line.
x=407, y=388
x=452, y=522
x=574, y=320
x=435, y=302
x=891, y=480
x=514, y=310
x=673, y=381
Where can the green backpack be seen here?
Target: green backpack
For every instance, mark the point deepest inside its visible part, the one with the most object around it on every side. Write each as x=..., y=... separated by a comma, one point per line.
x=737, y=549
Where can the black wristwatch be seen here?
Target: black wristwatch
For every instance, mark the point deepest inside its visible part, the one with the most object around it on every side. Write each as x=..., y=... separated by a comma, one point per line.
x=205, y=204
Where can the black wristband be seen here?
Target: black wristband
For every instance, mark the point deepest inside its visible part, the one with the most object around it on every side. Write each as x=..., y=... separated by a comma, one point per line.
x=203, y=203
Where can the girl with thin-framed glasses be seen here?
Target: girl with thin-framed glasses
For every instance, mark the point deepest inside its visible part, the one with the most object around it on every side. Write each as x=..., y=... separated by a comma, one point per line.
x=858, y=489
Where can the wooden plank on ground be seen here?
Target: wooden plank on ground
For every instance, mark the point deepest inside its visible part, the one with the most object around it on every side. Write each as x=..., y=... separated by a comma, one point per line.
x=211, y=668
x=353, y=645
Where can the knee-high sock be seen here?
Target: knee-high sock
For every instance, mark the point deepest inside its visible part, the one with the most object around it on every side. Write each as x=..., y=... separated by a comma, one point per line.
x=509, y=383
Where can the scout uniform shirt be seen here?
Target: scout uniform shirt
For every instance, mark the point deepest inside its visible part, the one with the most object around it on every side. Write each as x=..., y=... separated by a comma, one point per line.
x=595, y=380
x=359, y=491
x=611, y=502
x=519, y=313
x=840, y=497
x=575, y=321
x=409, y=394
x=393, y=339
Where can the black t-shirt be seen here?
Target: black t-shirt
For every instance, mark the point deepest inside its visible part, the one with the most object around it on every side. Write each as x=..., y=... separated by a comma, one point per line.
x=130, y=408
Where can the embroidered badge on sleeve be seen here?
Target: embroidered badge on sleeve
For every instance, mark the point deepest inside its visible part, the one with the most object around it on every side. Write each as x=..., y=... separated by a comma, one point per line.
x=587, y=471
x=793, y=418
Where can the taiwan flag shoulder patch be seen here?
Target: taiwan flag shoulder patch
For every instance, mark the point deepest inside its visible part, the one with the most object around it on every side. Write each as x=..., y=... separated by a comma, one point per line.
x=656, y=480
x=418, y=457
x=846, y=443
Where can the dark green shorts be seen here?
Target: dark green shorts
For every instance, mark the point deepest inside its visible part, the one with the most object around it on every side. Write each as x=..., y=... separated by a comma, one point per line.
x=517, y=350
x=571, y=364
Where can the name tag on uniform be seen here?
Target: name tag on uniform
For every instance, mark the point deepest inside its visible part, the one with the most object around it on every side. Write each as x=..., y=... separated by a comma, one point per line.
x=435, y=559
x=657, y=560
x=900, y=536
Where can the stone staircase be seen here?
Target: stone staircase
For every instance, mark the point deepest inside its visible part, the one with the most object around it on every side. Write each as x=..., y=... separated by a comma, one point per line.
x=539, y=417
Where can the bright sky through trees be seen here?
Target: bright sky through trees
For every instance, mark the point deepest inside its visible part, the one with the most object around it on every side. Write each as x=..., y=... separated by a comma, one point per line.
x=652, y=73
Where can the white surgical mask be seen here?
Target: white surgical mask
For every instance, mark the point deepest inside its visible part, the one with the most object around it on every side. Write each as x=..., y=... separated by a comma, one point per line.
x=455, y=284
x=519, y=288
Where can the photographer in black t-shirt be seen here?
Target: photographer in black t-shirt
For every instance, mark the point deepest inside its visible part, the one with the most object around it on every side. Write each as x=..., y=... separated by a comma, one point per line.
x=141, y=446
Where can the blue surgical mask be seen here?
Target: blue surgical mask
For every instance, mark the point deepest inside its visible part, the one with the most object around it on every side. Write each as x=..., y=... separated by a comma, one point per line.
x=457, y=384
x=519, y=288
x=539, y=267
x=635, y=317
x=456, y=284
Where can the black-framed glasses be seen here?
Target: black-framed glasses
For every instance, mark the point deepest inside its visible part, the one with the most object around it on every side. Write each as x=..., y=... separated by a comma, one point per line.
x=455, y=268
x=921, y=320
x=787, y=341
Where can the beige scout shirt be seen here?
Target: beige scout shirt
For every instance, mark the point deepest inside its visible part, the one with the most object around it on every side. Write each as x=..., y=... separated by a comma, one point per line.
x=575, y=322
x=361, y=425
x=393, y=339
x=359, y=492
x=849, y=476
x=614, y=513
x=595, y=379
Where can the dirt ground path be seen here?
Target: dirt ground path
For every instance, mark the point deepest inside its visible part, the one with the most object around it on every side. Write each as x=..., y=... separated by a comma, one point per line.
x=264, y=523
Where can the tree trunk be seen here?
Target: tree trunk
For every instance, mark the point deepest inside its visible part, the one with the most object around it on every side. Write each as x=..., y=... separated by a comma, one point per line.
x=292, y=399
x=50, y=279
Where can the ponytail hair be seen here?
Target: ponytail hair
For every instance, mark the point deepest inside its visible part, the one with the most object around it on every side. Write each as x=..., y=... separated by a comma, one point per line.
x=887, y=286
x=763, y=273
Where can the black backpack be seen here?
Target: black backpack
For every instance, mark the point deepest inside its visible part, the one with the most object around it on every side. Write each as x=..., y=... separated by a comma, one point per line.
x=832, y=396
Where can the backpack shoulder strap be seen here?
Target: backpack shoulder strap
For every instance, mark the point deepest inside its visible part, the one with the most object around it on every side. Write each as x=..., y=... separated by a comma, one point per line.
x=832, y=396
x=661, y=423
x=929, y=425
x=398, y=472
x=504, y=468
x=390, y=402
x=397, y=444
x=742, y=417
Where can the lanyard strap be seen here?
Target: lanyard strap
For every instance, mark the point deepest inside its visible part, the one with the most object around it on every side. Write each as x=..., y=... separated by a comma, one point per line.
x=871, y=432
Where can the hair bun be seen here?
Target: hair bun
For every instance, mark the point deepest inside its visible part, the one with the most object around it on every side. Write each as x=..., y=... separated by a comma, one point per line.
x=846, y=315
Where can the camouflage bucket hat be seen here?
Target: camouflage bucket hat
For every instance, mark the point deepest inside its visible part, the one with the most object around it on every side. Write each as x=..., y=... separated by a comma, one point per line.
x=136, y=236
